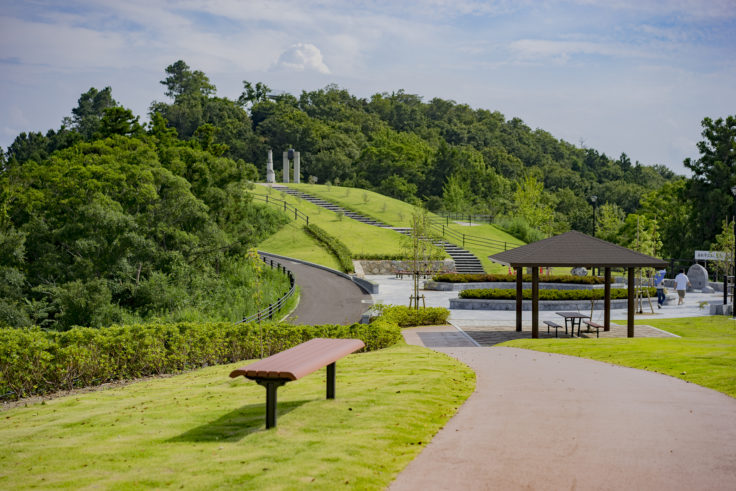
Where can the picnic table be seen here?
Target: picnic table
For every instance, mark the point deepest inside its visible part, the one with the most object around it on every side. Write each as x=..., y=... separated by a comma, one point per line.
x=573, y=318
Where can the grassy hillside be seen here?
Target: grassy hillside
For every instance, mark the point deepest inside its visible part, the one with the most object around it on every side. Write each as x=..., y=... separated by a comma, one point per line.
x=202, y=430
x=360, y=239
x=398, y=214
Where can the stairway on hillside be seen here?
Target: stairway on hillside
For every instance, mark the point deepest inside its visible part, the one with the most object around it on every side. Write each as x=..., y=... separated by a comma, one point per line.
x=465, y=261
x=331, y=206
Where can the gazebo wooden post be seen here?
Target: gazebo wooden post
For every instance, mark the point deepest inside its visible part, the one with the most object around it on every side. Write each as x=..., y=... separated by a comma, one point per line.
x=630, y=305
x=535, y=302
x=607, y=300
x=519, y=287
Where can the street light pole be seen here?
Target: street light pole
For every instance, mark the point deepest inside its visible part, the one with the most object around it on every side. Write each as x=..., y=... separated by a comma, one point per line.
x=594, y=200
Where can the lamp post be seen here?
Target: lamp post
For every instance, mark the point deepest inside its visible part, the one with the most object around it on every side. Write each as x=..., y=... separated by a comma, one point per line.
x=733, y=298
x=593, y=200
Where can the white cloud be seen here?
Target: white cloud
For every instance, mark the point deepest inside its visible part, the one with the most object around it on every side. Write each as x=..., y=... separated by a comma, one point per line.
x=302, y=57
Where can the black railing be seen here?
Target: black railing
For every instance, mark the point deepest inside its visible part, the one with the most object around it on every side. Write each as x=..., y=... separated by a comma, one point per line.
x=462, y=239
x=288, y=208
x=272, y=309
x=465, y=217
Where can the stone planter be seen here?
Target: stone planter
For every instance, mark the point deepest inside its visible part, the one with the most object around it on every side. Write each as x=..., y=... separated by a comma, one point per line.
x=505, y=285
x=553, y=305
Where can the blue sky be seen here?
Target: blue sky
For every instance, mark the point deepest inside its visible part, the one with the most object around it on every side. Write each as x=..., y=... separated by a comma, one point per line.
x=634, y=76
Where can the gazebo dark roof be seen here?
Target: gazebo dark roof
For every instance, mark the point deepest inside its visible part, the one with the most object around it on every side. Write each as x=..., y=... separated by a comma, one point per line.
x=574, y=249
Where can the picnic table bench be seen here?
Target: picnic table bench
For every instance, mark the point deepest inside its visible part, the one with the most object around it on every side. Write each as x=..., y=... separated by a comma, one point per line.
x=554, y=326
x=594, y=325
x=295, y=363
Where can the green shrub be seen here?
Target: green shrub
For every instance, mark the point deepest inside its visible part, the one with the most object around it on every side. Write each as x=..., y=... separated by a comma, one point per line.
x=510, y=294
x=408, y=317
x=479, y=278
x=33, y=361
x=519, y=228
x=334, y=245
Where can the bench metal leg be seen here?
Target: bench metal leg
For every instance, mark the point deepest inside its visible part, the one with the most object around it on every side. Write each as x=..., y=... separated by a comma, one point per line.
x=271, y=384
x=331, y=380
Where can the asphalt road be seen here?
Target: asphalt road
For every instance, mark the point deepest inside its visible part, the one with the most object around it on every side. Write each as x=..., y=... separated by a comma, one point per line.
x=326, y=298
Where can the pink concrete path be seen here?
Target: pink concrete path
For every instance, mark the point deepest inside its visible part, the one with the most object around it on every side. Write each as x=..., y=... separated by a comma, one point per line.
x=546, y=421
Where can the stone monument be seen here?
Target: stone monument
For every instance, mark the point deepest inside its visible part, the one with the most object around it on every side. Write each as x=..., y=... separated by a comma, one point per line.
x=290, y=155
x=270, y=174
x=579, y=271
x=698, y=276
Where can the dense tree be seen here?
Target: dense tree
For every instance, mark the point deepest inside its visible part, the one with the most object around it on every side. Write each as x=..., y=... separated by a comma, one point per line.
x=121, y=227
x=183, y=82
x=714, y=174
x=87, y=116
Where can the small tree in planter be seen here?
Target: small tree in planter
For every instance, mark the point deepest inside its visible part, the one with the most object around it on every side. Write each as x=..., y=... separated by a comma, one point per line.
x=421, y=251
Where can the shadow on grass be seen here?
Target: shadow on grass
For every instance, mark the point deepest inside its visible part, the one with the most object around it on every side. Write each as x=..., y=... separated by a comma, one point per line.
x=237, y=424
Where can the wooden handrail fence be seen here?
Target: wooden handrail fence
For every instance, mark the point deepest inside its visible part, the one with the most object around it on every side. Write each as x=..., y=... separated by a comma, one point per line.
x=282, y=204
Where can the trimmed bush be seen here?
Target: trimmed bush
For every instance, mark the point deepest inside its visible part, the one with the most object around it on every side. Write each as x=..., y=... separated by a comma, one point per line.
x=333, y=245
x=34, y=362
x=487, y=278
x=407, y=317
x=505, y=294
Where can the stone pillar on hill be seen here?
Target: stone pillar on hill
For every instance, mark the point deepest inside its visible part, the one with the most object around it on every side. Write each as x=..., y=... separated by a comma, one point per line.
x=286, y=168
x=297, y=168
x=270, y=175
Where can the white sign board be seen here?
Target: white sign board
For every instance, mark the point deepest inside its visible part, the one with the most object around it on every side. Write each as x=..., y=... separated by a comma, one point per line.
x=710, y=256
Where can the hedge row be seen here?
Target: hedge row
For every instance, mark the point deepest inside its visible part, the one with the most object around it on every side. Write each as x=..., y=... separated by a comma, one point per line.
x=35, y=362
x=334, y=245
x=407, y=317
x=505, y=294
x=487, y=278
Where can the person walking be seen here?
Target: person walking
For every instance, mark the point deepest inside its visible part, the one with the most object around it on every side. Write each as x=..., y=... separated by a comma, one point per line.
x=681, y=284
x=659, y=283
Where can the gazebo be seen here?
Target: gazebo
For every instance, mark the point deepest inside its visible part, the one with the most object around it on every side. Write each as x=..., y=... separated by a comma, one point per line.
x=573, y=249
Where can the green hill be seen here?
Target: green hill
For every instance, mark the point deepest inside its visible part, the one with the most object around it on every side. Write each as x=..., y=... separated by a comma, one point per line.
x=366, y=240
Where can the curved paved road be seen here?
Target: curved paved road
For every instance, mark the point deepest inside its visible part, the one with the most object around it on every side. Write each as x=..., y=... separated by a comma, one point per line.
x=326, y=298
x=546, y=421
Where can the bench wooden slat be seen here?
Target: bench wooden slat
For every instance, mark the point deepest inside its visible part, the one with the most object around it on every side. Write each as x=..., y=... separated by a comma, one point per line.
x=299, y=361
x=294, y=363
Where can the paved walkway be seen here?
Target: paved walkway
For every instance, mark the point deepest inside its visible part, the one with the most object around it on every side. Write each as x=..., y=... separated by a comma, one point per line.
x=326, y=298
x=546, y=421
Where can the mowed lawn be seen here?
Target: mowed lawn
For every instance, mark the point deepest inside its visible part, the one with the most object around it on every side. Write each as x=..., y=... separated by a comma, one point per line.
x=704, y=355
x=358, y=237
x=398, y=214
x=203, y=430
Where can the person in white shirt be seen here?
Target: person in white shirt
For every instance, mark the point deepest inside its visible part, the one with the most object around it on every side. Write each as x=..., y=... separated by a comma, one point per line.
x=681, y=284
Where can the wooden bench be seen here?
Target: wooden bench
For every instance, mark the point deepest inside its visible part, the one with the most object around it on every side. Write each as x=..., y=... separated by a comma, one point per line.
x=295, y=363
x=596, y=326
x=554, y=326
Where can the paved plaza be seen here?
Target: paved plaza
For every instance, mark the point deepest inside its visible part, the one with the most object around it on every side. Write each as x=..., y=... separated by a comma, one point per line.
x=489, y=327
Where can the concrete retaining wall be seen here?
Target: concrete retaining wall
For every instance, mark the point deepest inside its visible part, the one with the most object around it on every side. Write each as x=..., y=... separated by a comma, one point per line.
x=392, y=266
